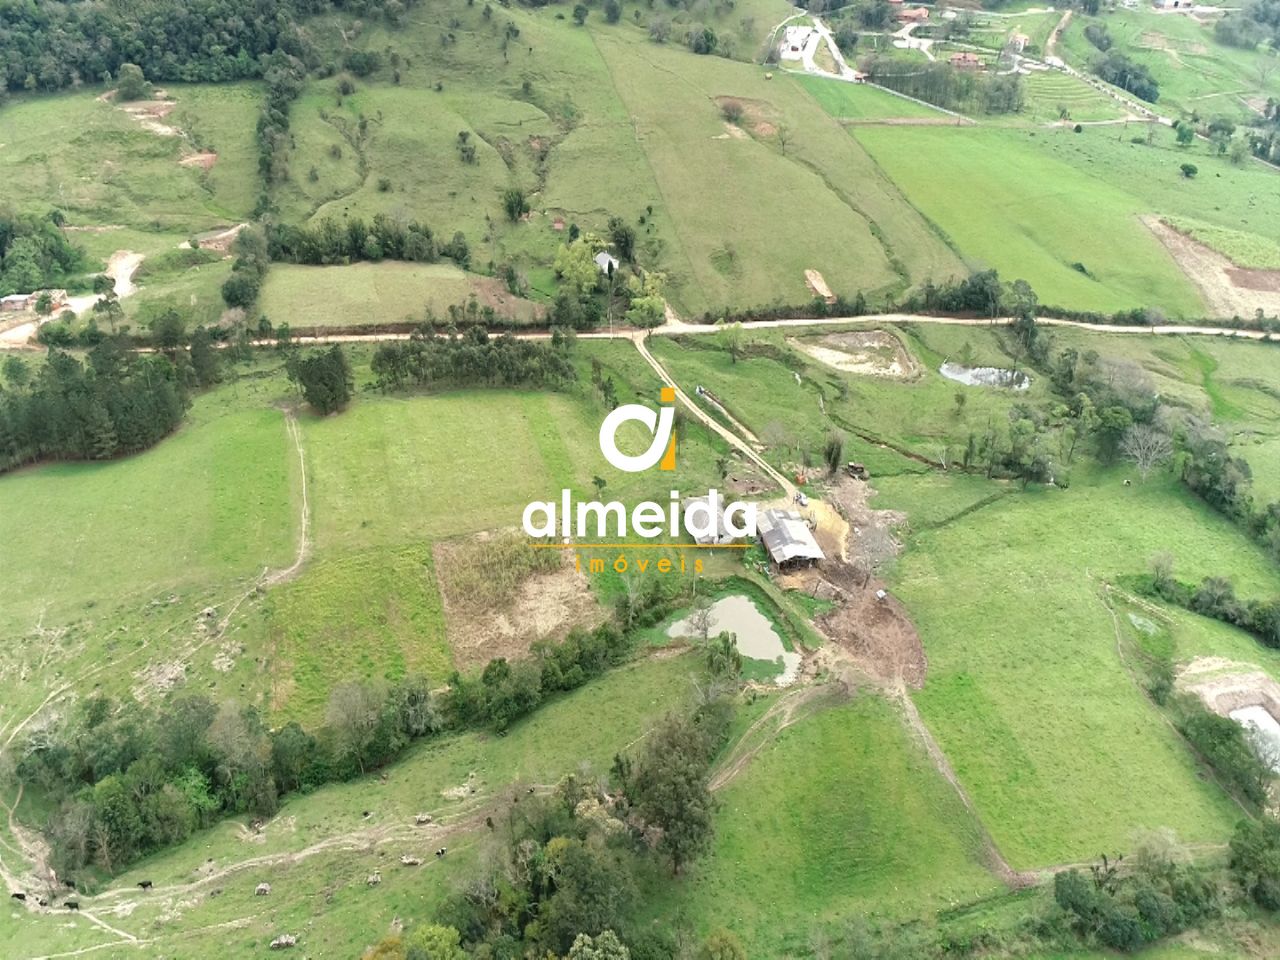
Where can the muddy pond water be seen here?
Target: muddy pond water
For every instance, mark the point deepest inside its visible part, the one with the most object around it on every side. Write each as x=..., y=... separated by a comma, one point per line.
x=755, y=634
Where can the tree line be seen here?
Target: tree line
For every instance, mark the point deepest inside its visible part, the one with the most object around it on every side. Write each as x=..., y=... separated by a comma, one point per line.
x=35, y=253
x=127, y=779
x=945, y=86
x=118, y=402
x=474, y=358
x=382, y=238
x=55, y=44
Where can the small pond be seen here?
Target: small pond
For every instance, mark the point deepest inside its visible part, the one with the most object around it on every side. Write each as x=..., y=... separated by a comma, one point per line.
x=756, y=637
x=1258, y=720
x=985, y=376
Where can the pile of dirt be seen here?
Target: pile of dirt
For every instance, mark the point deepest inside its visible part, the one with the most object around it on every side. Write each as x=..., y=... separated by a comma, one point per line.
x=544, y=605
x=817, y=284
x=1229, y=290
x=1224, y=685
x=204, y=159
x=876, y=353
x=879, y=635
x=875, y=631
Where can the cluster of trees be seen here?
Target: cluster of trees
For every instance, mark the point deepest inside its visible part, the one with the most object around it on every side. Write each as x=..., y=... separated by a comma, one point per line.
x=504, y=692
x=566, y=880
x=1161, y=895
x=1241, y=762
x=943, y=85
x=48, y=46
x=382, y=238
x=324, y=378
x=1098, y=35
x=473, y=359
x=118, y=402
x=284, y=76
x=1215, y=597
x=34, y=253
x=1258, y=22
x=1116, y=68
x=127, y=780
x=1225, y=482
x=250, y=268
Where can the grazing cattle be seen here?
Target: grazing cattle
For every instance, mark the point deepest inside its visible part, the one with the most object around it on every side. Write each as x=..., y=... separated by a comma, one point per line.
x=43, y=902
x=18, y=896
x=262, y=890
x=73, y=904
x=411, y=861
x=284, y=941
x=422, y=819
x=1128, y=483
x=366, y=814
x=373, y=879
x=488, y=822
x=69, y=884
x=442, y=851
x=145, y=884
x=217, y=892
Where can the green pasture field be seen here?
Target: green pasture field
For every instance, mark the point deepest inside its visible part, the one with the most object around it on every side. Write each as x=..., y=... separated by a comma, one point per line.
x=1195, y=72
x=1243, y=249
x=1032, y=216
x=919, y=414
x=1047, y=93
x=371, y=294
x=1058, y=747
x=840, y=814
x=863, y=102
x=99, y=166
x=587, y=726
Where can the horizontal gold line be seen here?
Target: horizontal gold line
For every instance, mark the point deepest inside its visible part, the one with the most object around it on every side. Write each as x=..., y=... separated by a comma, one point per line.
x=640, y=546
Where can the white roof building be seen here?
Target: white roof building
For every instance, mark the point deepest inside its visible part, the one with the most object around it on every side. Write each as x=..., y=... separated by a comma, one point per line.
x=787, y=538
x=607, y=262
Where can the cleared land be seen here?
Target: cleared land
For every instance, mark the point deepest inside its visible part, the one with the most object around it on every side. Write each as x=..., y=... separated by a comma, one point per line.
x=370, y=294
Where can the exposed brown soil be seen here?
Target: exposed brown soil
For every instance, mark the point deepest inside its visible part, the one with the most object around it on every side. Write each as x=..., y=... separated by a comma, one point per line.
x=1229, y=290
x=544, y=605
x=1223, y=685
x=875, y=352
x=759, y=119
x=817, y=284
x=205, y=159
x=491, y=292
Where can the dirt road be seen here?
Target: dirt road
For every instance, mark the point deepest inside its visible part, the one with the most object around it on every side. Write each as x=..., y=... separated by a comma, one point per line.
x=120, y=267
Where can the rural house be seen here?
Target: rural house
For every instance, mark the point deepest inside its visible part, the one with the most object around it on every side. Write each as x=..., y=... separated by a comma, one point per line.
x=788, y=539
x=15, y=302
x=913, y=15
x=966, y=61
x=607, y=263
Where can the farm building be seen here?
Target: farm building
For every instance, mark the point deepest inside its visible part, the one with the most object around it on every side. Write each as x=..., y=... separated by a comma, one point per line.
x=788, y=539
x=722, y=534
x=16, y=301
x=607, y=263
x=913, y=15
x=965, y=61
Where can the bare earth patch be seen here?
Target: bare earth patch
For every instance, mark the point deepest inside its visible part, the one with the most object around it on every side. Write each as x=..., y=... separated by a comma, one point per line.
x=1224, y=685
x=1228, y=290
x=149, y=113
x=875, y=352
x=205, y=159
x=759, y=118
x=818, y=284
x=543, y=605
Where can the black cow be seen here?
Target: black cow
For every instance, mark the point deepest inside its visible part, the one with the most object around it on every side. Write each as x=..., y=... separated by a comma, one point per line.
x=145, y=884
x=18, y=896
x=442, y=851
x=69, y=884
x=73, y=904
